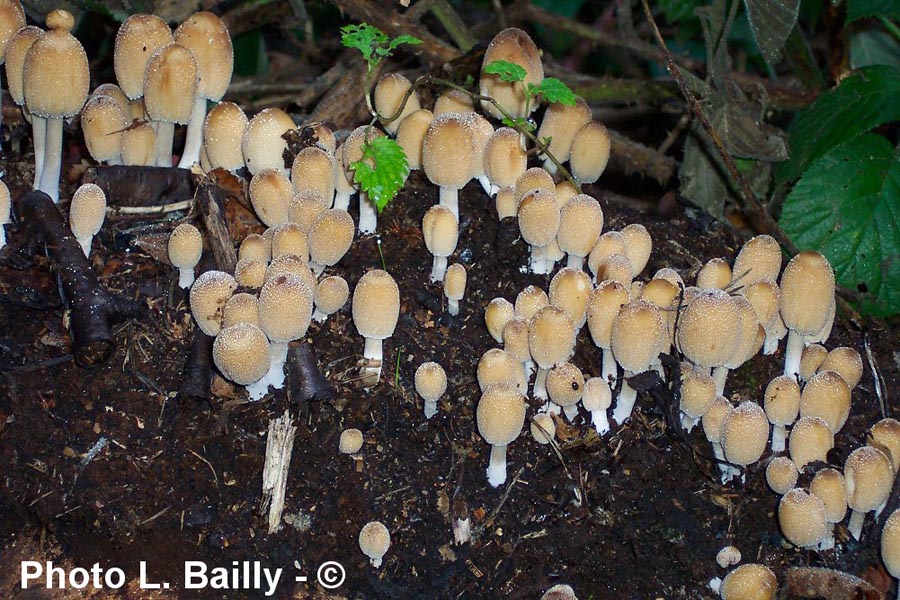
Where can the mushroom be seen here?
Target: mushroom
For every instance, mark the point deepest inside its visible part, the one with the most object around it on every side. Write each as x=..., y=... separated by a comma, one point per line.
x=207, y=298
x=430, y=383
x=5, y=210
x=138, y=38
x=374, y=541
x=615, y=267
x=698, y=390
x=262, y=144
x=560, y=123
x=811, y=359
x=351, y=441
x=890, y=544
x=603, y=307
x=708, y=330
x=329, y=239
x=515, y=342
x=828, y=485
x=497, y=314
x=390, y=96
x=376, y=308
x=713, y=421
x=288, y=238
x=807, y=293
x=885, y=435
x=714, y=275
x=750, y=336
x=539, y=218
x=223, y=132
x=504, y=159
x=447, y=156
x=16, y=50
x=765, y=298
x=138, y=145
x=499, y=366
x=270, y=194
x=802, y=518
x=809, y=441
x=241, y=353
x=255, y=247
x=515, y=46
x=285, y=310
x=453, y=101
x=332, y=293
x=551, y=337
x=12, y=18
x=781, y=474
x=565, y=386
x=636, y=341
x=781, y=401
x=500, y=415
x=170, y=89
x=597, y=398
x=638, y=246
x=589, y=154
x=758, y=259
x=530, y=300
x=86, y=214
x=305, y=208
x=344, y=187
x=250, y=273
x=609, y=243
x=55, y=80
x=580, y=223
x=745, y=433
x=440, y=230
x=749, y=582
x=313, y=170
x=411, y=136
x=560, y=591
x=826, y=395
x=534, y=178
x=570, y=290
x=241, y=308
x=666, y=296
x=846, y=362
x=103, y=120
x=543, y=428
x=185, y=247
x=869, y=477
x=454, y=287
x=353, y=151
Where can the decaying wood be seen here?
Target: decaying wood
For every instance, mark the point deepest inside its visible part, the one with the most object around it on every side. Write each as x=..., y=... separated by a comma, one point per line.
x=279, y=446
x=344, y=104
x=209, y=200
x=197, y=369
x=306, y=381
x=814, y=582
x=130, y=186
x=634, y=157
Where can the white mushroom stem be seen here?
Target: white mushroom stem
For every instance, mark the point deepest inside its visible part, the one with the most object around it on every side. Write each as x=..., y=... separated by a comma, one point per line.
x=277, y=357
x=375, y=561
x=551, y=408
x=257, y=390
x=374, y=355
x=827, y=542
x=496, y=471
x=342, y=200
x=462, y=530
x=600, y=421
x=770, y=345
x=165, y=136
x=185, y=277
x=368, y=214
x=318, y=316
x=316, y=268
x=528, y=366
x=792, y=354
x=450, y=198
x=540, y=264
x=39, y=139
x=485, y=182
x=724, y=468
x=610, y=369
x=720, y=375
x=549, y=165
x=194, y=137
x=779, y=435
x=452, y=307
x=494, y=189
x=855, y=524
x=85, y=243
x=430, y=408
x=438, y=268
x=625, y=401
x=540, y=384
x=688, y=422
x=571, y=412
x=575, y=262
x=52, y=159
x=2, y=235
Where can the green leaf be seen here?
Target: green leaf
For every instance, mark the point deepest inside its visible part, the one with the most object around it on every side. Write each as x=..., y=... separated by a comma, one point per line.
x=519, y=124
x=874, y=47
x=772, y=21
x=404, y=39
x=865, y=99
x=676, y=11
x=366, y=39
x=859, y=9
x=382, y=171
x=553, y=90
x=250, y=56
x=507, y=71
x=847, y=206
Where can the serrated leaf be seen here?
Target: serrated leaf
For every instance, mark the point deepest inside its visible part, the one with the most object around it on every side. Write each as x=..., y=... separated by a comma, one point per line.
x=404, y=39
x=553, y=90
x=865, y=99
x=874, y=47
x=505, y=70
x=771, y=22
x=860, y=9
x=847, y=206
x=382, y=171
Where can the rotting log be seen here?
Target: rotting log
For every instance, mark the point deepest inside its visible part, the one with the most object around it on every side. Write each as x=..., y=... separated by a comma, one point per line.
x=141, y=186
x=93, y=309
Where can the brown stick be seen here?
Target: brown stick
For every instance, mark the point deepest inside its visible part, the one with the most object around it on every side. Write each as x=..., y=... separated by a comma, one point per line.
x=141, y=186
x=633, y=157
x=209, y=200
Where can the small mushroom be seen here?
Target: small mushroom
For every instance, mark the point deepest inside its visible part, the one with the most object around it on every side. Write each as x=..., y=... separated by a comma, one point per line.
x=185, y=247
x=581, y=220
x=103, y=120
x=749, y=582
x=603, y=307
x=515, y=342
x=313, y=170
x=454, y=287
x=289, y=239
x=560, y=591
x=352, y=152
x=499, y=366
x=241, y=353
x=589, y=153
x=223, y=132
x=530, y=300
x=262, y=143
x=390, y=95
x=512, y=45
x=551, y=337
x=809, y=441
x=781, y=401
x=285, y=310
x=560, y=123
x=885, y=435
x=539, y=218
x=543, y=428
x=376, y=309
x=759, y=259
x=351, y=441
x=745, y=433
x=440, y=229
x=332, y=293
x=500, y=415
x=565, y=386
x=781, y=474
x=869, y=477
x=330, y=237
x=170, y=91
x=802, y=518
x=374, y=541
x=86, y=214
x=447, y=151
x=811, y=359
x=570, y=290
x=846, y=362
x=497, y=314
x=597, y=399
x=714, y=275
x=636, y=341
x=713, y=421
x=829, y=486
x=504, y=159
x=698, y=390
x=241, y=308
x=138, y=38
x=411, y=136
x=826, y=395
x=208, y=296
x=270, y=194
x=430, y=383
x=807, y=293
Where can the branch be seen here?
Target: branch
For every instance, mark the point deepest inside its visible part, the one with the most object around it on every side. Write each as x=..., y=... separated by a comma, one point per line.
x=209, y=199
x=635, y=157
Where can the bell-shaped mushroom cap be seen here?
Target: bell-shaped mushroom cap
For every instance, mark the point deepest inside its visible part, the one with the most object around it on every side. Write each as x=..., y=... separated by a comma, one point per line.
x=565, y=384
x=376, y=305
x=185, y=246
x=560, y=123
x=637, y=335
x=670, y=275
x=102, y=122
x=332, y=293
x=389, y=94
x=869, y=476
x=543, y=428
x=350, y=442
x=455, y=282
x=15, y=51
x=305, y=208
x=241, y=308
x=890, y=544
x=708, y=329
x=751, y=335
x=829, y=486
x=497, y=314
x=262, y=144
x=589, y=154
x=208, y=296
x=440, y=230
x=453, y=101
x=291, y=263
x=206, y=36
x=714, y=275
x=665, y=296
x=515, y=46
x=504, y=158
x=534, y=178
x=538, y=217
x=447, y=151
x=782, y=400
x=515, y=339
x=330, y=237
x=288, y=238
x=241, y=353
x=826, y=395
x=758, y=259
x=714, y=418
x=811, y=359
x=498, y=366
x=581, y=220
x=765, y=298
x=223, y=132
x=271, y=194
x=313, y=170
x=529, y=301
x=638, y=245
x=285, y=307
x=570, y=290
x=430, y=381
x=87, y=211
x=137, y=145
x=482, y=130
x=56, y=75
x=802, y=518
x=615, y=267
x=551, y=337
x=411, y=135
x=603, y=307
x=844, y=361
x=745, y=433
x=560, y=591
x=698, y=390
x=500, y=414
x=138, y=38
x=749, y=582
x=374, y=541
x=807, y=292
x=608, y=244
x=12, y=18
x=781, y=474
x=565, y=191
x=809, y=441
x=885, y=435
x=170, y=84
x=250, y=273
x=255, y=247
x=597, y=395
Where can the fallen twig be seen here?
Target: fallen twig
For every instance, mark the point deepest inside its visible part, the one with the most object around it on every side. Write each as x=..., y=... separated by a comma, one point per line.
x=877, y=378
x=209, y=199
x=150, y=210
x=279, y=446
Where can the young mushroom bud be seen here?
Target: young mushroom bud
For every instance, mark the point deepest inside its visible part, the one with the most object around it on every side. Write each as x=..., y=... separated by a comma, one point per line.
x=698, y=390
x=829, y=486
x=543, y=428
x=447, y=152
x=223, y=132
x=376, y=309
x=185, y=247
x=170, y=90
x=603, y=307
x=781, y=401
x=389, y=96
x=597, y=399
x=374, y=541
x=807, y=293
x=102, y=122
x=455, y=287
x=499, y=366
x=809, y=441
x=208, y=296
x=329, y=239
x=745, y=434
x=589, y=153
x=332, y=293
x=350, y=442
x=504, y=159
x=565, y=386
x=500, y=415
x=270, y=194
x=560, y=123
x=241, y=308
x=285, y=310
x=262, y=143
x=580, y=223
x=802, y=518
x=411, y=136
x=551, y=337
x=440, y=230
x=570, y=290
x=781, y=474
x=758, y=259
x=86, y=214
x=846, y=362
x=515, y=46
x=497, y=314
x=826, y=395
x=241, y=353
x=313, y=170
x=539, y=218
x=890, y=544
x=714, y=275
x=638, y=246
x=637, y=338
x=869, y=477
x=749, y=582
x=431, y=383
x=289, y=239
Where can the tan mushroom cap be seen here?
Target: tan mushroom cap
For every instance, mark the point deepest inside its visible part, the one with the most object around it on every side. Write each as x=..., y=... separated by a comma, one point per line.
x=782, y=400
x=320, y=132
x=751, y=335
x=16, y=49
x=497, y=314
x=529, y=301
x=758, y=259
x=809, y=441
x=609, y=243
x=708, y=329
x=615, y=267
x=271, y=194
x=515, y=339
x=581, y=220
x=714, y=418
x=811, y=359
x=765, y=298
x=87, y=211
x=223, y=132
x=543, y=428
x=241, y=308
x=597, y=395
x=638, y=245
x=374, y=541
x=504, y=158
x=560, y=123
x=447, y=151
x=570, y=290
x=102, y=122
x=698, y=390
x=890, y=544
x=829, y=486
x=288, y=238
x=781, y=474
x=12, y=18
x=513, y=45
x=670, y=275
x=453, y=101
x=498, y=366
x=826, y=395
x=351, y=441
x=745, y=433
x=637, y=335
x=250, y=273
x=185, y=246
x=869, y=476
x=332, y=294
x=262, y=143
x=589, y=153
x=440, y=230
x=206, y=36
x=749, y=582
x=538, y=217
x=376, y=305
x=208, y=296
x=885, y=435
x=455, y=282
x=565, y=384
x=170, y=84
x=430, y=381
x=714, y=275
x=241, y=353
x=137, y=145
x=802, y=518
x=313, y=170
x=255, y=247
x=285, y=307
x=846, y=362
x=305, y=208
x=500, y=414
x=807, y=292
x=291, y=263
x=138, y=37
x=532, y=179
x=482, y=130
x=56, y=74
x=411, y=135
x=603, y=307
x=551, y=337
x=665, y=295
x=330, y=237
